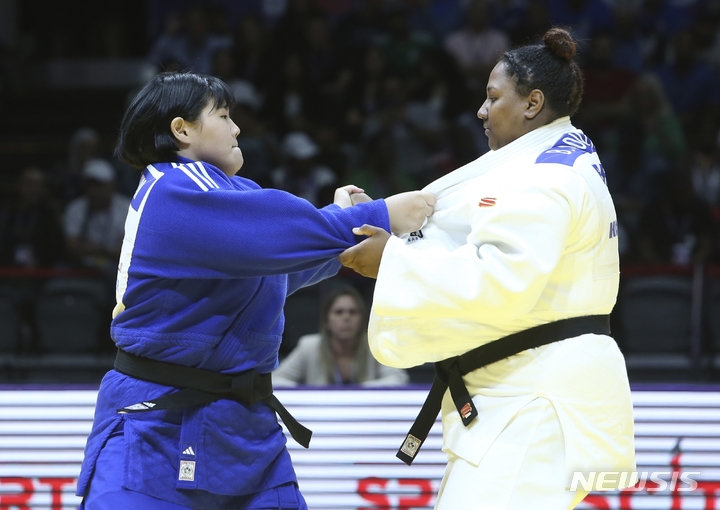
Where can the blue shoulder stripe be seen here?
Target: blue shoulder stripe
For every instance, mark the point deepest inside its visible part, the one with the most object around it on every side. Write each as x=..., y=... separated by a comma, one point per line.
x=567, y=149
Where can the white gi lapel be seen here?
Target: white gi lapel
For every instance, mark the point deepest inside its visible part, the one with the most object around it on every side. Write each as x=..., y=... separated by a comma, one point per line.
x=531, y=142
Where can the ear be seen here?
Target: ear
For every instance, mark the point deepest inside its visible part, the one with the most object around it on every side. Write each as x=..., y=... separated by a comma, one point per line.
x=180, y=129
x=536, y=101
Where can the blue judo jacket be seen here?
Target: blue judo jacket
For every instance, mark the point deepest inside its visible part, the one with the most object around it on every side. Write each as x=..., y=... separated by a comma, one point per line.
x=206, y=264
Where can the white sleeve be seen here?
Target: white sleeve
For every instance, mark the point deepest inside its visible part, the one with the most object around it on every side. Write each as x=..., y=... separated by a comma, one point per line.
x=496, y=277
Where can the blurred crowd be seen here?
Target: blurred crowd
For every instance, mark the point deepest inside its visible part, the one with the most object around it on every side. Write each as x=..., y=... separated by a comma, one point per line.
x=384, y=93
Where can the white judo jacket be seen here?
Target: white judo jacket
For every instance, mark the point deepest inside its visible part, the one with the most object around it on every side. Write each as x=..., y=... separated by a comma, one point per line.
x=522, y=236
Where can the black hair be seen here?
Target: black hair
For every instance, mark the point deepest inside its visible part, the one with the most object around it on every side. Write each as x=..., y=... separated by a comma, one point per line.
x=550, y=68
x=145, y=136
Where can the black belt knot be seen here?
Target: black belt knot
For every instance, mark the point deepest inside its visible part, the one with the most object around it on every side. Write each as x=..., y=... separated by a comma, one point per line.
x=199, y=386
x=449, y=372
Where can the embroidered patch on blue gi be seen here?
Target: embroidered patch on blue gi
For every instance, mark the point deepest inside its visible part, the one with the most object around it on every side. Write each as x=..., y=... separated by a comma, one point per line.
x=187, y=470
x=567, y=149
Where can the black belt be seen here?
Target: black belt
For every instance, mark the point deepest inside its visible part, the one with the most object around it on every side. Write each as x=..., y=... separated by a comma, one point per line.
x=449, y=372
x=201, y=386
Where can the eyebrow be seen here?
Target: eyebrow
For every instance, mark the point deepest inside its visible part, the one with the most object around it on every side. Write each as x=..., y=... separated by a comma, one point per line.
x=490, y=87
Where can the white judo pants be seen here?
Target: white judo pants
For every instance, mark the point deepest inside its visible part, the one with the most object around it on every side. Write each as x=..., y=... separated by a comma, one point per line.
x=523, y=469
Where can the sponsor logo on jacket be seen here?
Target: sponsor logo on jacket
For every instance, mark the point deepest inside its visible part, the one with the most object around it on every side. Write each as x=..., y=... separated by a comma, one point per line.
x=415, y=236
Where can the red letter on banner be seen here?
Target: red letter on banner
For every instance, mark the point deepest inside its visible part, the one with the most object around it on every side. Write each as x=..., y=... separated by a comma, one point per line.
x=422, y=499
x=709, y=489
x=17, y=501
x=56, y=485
x=380, y=500
x=598, y=502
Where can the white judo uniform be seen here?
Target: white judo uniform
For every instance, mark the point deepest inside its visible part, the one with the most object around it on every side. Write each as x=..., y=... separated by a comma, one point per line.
x=520, y=237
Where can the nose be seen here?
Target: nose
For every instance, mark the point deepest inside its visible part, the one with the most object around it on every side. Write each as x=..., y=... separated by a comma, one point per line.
x=235, y=130
x=482, y=112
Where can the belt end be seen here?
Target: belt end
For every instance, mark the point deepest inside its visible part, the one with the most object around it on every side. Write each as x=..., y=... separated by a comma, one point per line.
x=409, y=449
x=303, y=438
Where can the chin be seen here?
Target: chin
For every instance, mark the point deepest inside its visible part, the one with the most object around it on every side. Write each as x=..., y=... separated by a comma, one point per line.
x=237, y=166
x=492, y=143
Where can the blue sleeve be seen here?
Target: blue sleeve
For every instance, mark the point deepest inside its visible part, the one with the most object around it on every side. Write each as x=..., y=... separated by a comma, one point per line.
x=312, y=276
x=235, y=233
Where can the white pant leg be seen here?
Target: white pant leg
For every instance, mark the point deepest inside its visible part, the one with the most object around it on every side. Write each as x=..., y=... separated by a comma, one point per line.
x=523, y=469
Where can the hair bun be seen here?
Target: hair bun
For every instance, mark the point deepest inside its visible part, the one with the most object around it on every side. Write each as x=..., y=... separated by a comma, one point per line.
x=560, y=43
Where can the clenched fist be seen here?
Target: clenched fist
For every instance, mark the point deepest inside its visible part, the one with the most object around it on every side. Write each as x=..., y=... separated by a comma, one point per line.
x=409, y=210
x=349, y=195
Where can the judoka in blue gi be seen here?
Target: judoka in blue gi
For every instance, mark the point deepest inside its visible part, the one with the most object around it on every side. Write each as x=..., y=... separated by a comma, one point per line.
x=207, y=261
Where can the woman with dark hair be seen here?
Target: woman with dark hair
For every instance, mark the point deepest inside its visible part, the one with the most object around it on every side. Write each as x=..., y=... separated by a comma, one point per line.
x=508, y=289
x=339, y=353
x=187, y=417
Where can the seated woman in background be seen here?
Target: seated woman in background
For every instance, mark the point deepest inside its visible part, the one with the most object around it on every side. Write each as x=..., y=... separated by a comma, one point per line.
x=339, y=353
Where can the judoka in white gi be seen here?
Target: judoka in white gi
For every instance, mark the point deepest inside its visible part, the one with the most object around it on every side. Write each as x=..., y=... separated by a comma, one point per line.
x=525, y=235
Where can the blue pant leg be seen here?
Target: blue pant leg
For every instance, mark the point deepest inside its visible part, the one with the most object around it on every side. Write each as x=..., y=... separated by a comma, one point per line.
x=106, y=492
x=284, y=497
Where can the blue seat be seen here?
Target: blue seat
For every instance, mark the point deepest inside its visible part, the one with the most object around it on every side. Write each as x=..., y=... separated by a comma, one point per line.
x=657, y=314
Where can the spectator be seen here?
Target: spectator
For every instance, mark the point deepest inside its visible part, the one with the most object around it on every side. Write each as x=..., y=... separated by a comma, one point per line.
x=362, y=28
x=364, y=94
x=339, y=353
x=188, y=44
x=416, y=132
x=706, y=30
x=437, y=17
x=258, y=145
x=254, y=57
x=324, y=70
x=223, y=65
x=319, y=52
x=650, y=142
x=291, y=101
x=606, y=87
x=532, y=21
x=586, y=17
x=30, y=231
x=406, y=48
x=377, y=173
x=94, y=223
x=676, y=227
x=30, y=237
x=631, y=50
x=289, y=32
x=301, y=175
x=331, y=152
x=66, y=181
x=705, y=165
x=477, y=47
x=666, y=19
x=692, y=86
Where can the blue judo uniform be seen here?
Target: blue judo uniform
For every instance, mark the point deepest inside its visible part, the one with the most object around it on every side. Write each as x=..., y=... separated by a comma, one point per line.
x=206, y=264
